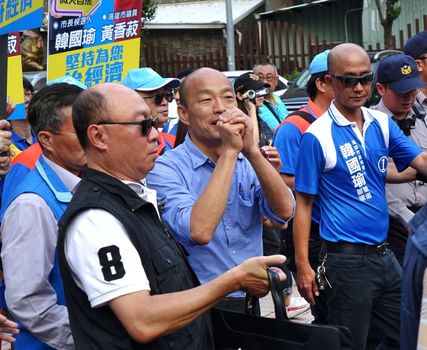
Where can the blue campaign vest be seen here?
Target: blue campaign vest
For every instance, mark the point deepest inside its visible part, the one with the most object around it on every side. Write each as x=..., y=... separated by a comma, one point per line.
x=414, y=268
x=44, y=182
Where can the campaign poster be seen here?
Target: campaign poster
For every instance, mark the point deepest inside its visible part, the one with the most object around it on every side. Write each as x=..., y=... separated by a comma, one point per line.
x=93, y=41
x=15, y=89
x=19, y=15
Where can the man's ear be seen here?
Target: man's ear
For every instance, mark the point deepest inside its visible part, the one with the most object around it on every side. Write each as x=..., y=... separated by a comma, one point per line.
x=320, y=84
x=44, y=137
x=380, y=88
x=420, y=65
x=96, y=136
x=183, y=115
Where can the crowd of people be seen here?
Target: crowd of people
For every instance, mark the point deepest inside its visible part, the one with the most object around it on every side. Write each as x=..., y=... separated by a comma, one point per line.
x=129, y=210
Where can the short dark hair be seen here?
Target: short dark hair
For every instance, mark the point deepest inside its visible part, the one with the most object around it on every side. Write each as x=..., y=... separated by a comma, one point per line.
x=89, y=108
x=184, y=73
x=27, y=85
x=44, y=111
x=311, y=84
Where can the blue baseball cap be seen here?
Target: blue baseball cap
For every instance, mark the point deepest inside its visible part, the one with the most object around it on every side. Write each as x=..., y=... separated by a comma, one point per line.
x=416, y=45
x=319, y=64
x=400, y=73
x=69, y=80
x=146, y=79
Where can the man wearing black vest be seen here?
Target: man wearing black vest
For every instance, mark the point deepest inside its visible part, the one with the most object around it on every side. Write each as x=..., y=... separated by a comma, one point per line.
x=127, y=282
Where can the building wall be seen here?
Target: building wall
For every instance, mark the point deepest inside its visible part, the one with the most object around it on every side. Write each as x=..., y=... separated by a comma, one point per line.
x=186, y=41
x=373, y=30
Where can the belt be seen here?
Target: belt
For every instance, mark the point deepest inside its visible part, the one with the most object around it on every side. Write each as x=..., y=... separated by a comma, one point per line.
x=356, y=248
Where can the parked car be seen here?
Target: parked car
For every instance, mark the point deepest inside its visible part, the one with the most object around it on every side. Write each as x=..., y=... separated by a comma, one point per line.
x=280, y=89
x=296, y=96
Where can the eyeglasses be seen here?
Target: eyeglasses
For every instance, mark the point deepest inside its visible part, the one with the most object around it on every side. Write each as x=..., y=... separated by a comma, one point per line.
x=269, y=78
x=146, y=124
x=158, y=98
x=352, y=80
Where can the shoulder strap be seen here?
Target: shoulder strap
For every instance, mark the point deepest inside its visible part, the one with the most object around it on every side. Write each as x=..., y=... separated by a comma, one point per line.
x=271, y=109
x=306, y=116
x=300, y=119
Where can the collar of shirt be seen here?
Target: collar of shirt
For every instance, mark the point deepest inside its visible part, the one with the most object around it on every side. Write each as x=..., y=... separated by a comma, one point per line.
x=313, y=108
x=69, y=179
x=198, y=158
x=422, y=99
x=18, y=140
x=147, y=194
x=383, y=108
x=339, y=119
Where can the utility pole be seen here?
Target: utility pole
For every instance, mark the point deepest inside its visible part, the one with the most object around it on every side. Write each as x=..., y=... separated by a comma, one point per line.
x=230, y=36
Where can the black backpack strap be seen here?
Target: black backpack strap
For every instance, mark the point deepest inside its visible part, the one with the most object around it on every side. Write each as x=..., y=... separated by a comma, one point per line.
x=304, y=115
x=271, y=109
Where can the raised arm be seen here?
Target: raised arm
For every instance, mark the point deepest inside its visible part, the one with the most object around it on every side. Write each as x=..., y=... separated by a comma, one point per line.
x=147, y=317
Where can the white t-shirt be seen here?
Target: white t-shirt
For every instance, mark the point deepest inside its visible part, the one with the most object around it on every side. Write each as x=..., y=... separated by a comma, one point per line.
x=103, y=260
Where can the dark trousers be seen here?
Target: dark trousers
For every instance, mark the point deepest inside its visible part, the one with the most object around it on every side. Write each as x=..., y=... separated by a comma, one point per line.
x=365, y=297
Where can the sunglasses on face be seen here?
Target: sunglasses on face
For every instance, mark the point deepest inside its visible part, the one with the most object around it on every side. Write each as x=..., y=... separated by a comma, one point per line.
x=146, y=124
x=158, y=98
x=352, y=80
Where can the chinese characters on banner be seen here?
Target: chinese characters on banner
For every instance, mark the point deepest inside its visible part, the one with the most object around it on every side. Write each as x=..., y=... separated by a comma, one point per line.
x=15, y=89
x=93, y=41
x=18, y=15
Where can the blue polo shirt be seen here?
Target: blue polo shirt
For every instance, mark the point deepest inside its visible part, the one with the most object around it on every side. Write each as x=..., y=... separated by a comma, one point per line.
x=180, y=176
x=268, y=117
x=20, y=142
x=287, y=140
x=348, y=171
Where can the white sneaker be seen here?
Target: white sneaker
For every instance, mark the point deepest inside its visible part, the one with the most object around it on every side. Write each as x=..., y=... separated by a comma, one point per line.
x=297, y=306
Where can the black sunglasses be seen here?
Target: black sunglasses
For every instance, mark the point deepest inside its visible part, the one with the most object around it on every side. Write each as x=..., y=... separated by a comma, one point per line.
x=158, y=98
x=146, y=124
x=352, y=80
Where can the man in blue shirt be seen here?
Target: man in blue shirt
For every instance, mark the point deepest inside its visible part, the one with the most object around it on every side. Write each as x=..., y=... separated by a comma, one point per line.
x=217, y=185
x=274, y=110
x=343, y=159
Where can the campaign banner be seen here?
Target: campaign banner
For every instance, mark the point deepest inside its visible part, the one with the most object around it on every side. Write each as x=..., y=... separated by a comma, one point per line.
x=93, y=41
x=19, y=15
x=15, y=88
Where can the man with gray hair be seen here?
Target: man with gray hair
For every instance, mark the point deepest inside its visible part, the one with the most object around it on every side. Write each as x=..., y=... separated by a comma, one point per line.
x=34, y=291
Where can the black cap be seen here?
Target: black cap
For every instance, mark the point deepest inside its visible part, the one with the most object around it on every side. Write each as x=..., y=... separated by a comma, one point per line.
x=249, y=81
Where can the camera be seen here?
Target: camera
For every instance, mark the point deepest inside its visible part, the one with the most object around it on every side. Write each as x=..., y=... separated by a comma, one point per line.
x=263, y=92
x=250, y=94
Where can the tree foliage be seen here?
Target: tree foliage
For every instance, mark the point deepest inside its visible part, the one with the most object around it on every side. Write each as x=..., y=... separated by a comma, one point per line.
x=148, y=13
x=388, y=11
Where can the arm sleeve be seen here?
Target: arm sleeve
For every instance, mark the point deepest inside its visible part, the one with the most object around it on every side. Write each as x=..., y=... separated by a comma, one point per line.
x=29, y=236
x=177, y=200
x=401, y=148
x=288, y=141
x=310, y=165
x=398, y=209
x=105, y=263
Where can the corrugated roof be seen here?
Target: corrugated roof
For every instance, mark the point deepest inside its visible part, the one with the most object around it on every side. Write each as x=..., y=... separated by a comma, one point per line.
x=296, y=7
x=201, y=14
